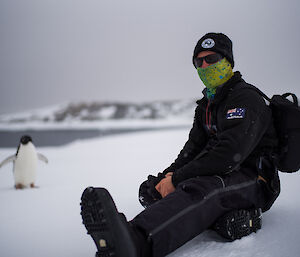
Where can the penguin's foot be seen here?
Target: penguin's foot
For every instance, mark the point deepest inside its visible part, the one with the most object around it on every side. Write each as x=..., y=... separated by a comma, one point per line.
x=32, y=185
x=19, y=186
x=105, y=225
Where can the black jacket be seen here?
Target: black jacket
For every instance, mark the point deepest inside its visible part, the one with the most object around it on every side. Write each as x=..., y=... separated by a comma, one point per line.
x=233, y=130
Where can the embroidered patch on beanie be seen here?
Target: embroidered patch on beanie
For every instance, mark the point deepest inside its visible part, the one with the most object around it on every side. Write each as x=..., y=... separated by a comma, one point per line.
x=208, y=43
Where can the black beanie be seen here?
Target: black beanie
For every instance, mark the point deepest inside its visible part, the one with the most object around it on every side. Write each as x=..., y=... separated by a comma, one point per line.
x=216, y=42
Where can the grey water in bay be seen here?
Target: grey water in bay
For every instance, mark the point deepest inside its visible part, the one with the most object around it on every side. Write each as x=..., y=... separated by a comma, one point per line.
x=59, y=137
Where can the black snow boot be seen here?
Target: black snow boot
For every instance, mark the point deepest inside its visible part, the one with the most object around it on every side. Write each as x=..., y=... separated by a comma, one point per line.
x=238, y=223
x=109, y=229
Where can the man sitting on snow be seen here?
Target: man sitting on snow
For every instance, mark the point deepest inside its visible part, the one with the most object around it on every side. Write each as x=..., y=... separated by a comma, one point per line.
x=222, y=178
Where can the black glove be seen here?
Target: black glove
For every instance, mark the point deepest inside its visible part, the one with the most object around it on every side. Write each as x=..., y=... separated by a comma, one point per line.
x=147, y=192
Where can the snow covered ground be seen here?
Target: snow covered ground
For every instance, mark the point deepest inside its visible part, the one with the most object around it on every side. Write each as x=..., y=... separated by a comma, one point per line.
x=46, y=221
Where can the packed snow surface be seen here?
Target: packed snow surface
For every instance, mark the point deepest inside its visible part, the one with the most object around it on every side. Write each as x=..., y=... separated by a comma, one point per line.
x=46, y=221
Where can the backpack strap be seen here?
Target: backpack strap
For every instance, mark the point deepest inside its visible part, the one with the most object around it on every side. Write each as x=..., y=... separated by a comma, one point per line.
x=270, y=100
x=260, y=92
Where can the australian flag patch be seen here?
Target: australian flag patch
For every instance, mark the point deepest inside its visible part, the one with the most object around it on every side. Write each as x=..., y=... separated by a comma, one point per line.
x=236, y=113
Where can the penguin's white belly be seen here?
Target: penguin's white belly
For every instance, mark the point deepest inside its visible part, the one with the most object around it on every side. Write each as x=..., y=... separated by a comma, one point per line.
x=25, y=166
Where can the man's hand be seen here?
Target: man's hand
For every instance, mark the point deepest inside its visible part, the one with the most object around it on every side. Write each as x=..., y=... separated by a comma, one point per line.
x=165, y=186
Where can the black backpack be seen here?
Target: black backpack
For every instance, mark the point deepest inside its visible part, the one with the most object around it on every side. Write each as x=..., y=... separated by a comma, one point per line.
x=286, y=116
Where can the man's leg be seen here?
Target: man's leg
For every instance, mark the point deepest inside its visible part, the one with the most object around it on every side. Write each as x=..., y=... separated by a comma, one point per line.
x=232, y=225
x=194, y=207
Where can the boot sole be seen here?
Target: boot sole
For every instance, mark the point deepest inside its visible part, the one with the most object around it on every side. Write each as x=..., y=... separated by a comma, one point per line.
x=239, y=223
x=104, y=224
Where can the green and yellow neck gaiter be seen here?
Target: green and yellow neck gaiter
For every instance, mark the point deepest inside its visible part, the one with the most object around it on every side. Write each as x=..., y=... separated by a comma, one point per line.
x=215, y=75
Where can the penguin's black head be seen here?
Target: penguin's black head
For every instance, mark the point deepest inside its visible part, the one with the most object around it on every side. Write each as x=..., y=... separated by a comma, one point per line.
x=25, y=139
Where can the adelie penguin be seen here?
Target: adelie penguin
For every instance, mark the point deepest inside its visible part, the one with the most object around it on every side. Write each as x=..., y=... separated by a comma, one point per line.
x=25, y=163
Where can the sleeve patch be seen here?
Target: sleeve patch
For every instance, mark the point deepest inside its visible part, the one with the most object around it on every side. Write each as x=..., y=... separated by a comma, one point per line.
x=236, y=113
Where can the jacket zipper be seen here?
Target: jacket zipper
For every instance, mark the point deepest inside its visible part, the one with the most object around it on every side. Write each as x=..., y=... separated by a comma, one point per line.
x=208, y=116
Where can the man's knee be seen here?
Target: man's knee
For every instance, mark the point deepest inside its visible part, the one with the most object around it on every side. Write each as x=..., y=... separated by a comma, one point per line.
x=200, y=186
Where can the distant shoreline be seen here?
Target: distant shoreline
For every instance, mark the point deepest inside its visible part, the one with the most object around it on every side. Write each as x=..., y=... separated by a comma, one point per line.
x=60, y=137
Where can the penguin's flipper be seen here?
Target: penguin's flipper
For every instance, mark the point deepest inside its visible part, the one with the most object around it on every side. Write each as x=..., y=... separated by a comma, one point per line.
x=8, y=159
x=42, y=157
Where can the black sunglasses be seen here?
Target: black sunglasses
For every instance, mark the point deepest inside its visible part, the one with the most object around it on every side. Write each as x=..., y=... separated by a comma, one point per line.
x=212, y=58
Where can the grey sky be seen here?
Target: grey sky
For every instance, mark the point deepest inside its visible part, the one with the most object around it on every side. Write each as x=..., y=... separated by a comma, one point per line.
x=56, y=51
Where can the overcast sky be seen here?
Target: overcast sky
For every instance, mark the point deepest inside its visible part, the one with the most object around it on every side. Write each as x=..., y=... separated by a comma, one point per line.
x=57, y=51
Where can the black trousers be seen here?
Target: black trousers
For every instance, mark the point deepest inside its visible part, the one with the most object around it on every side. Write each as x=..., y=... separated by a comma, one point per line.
x=194, y=206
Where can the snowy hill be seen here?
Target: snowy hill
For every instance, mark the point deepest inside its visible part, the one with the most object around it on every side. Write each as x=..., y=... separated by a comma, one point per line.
x=99, y=111
x=46, y=221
